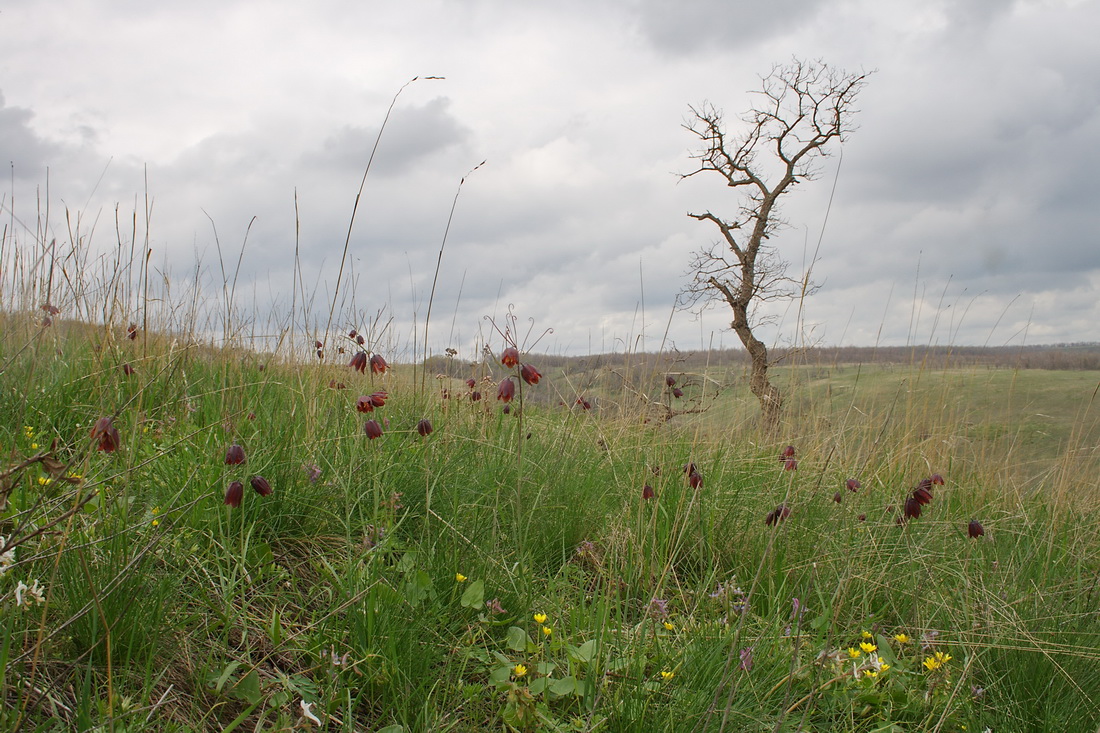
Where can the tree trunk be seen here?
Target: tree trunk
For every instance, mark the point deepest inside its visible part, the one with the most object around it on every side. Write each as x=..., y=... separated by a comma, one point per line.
x=771, y=400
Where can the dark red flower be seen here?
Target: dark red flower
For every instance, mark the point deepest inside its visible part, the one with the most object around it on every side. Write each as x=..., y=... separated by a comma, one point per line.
x=862, y=517
x=507, y=409
x=922, y=495
x=648, y=492
x=777, y=515
x=234, y=493
x=475, y=396
x=106, y=435
x=695, y=480
x=670, y=380
x=131, y=331
x=585, y=404
x=359, y=361
x=235, y=455
x=251, y=416
x=372, y=429
x=530, y=374
x=790, y=465
x=127, y=369
x=378, y=365
x=509, y=357
x=352, y=333
x=360, y=340
x=912, y=508
x=788, y=452
x=975, y=529
x=320, y=353
x=318, y=345
x=853, y=484
x=260, y=485
x=471, y=383
x=364, y=404
x=424, y=427
x=677, y=392
x=51, y=309
x=690, y=468
x=836, y=497
x=507, y=390
x=445, y=393
x=378, y=399
x=937, y=479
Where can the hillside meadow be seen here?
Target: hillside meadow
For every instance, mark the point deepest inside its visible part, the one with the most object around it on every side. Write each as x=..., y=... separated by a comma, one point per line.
x=916, y=550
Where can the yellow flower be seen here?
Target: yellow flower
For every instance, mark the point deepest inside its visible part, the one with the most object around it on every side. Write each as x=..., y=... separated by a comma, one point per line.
x=936, y=661
x=34, y=446
x=156, y=522
x=870, y=673
x=853, y=653
x=519, y=670
x=883, y=667
x=867, y=647
x=460, y=578
x=44, y=481
x=901, y=638
x=156, y=510
x=668, y=626
x=540, y=618
x=546, y=631
x=865, y=634
x=666, y=675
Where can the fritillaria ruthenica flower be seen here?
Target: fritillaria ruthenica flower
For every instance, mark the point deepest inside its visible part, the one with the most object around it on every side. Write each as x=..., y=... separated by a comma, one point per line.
x=128, y=369
x=475, y=396
x=912, y=508
x=378, y=365
x=694, y=478
x=509, y=357
x=975, y=529
x=471, y=383
x=677, y=392
x=360, y=340
x=260, y=485
x=424, y=427
x=530, y=374
x=131, y=331
x=359, y=361
x=670, y=380
x=937, y=479
x=790, y=465
x=372, y=429
x=234, y=493
x=235, y=455
x=836, y=497
x=106, y=435
x=777, y=515
x=585, y=404
x=787, y=453
x=506, y=391
x=853, y=484
x=648, y=492
x=364, y=404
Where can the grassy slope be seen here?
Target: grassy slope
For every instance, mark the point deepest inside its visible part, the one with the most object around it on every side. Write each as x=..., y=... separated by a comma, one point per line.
x=167, y=610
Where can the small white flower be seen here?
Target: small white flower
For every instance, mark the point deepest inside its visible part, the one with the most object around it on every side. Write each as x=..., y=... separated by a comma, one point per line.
x=307, y=713
x=33, y=594
x=7, y=557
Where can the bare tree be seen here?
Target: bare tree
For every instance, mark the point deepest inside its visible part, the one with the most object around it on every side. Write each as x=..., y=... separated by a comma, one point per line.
x=802, y=107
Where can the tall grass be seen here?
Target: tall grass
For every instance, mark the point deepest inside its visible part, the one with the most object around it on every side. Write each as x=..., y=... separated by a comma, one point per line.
x=393, y=584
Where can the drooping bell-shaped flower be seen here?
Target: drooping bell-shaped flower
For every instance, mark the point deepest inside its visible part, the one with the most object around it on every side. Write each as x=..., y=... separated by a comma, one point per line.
x=648, y=492
x=260, y=485
x=424, y=427
x=234, y=493
x=364, y=404
x=853, y=484
x=506, y=391
x=975, y=529
x=777, y=515
x=378, y=365
x=670, y=380
x=106, y=435
x=235, y=455
x=359, y=361
x=509, y=357
x=372, y=429
x=530, y=374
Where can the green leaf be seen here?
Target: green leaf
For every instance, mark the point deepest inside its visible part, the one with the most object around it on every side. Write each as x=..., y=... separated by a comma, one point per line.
x=564, y=686
x=219, y=682
x=499, y=676
x=395, y=728
x=248, y=688
x=537, y=686
x=585, y=652
x=546, y=668
x=474, y=597
x=884, y=650
x=517, y=639
x=418, y=587
x=407, y=562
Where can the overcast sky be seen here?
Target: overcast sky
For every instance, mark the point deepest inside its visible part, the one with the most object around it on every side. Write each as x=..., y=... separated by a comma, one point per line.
x=965, y=208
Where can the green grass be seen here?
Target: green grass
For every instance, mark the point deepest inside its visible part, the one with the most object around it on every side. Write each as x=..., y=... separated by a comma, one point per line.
x=164, y=609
